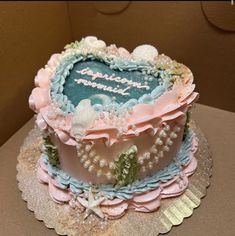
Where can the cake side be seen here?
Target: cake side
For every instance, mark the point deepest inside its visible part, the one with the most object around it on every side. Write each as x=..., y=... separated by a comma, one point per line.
x=143, y=196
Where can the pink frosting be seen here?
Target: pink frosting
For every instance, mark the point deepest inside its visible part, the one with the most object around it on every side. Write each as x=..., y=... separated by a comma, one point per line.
x=43, y=78
x=40, y=102
x=174, y=189
x=145, y=202
x=60, y=123
x=115, y=211
x=54, y=60
x=124, y=53
x=41, y=123
x=148, y=117
x=145, y=117
x=121, y=52
x=58, y=194
x=39, y=98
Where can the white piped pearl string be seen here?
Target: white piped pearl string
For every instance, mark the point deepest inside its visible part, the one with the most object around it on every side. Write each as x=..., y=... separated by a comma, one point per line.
x=162, y=143
x=93, y=162
x=159, y=147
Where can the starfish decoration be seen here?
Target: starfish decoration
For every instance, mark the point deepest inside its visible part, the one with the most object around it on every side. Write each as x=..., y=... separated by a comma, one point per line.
x=91, y=205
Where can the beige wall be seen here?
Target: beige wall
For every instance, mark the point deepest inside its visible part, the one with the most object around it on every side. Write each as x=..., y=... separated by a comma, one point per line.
x=200, y=35
x=29, y=33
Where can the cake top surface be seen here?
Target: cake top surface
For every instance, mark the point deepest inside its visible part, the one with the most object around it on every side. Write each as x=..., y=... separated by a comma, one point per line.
x=106, y=74
x=94, y=91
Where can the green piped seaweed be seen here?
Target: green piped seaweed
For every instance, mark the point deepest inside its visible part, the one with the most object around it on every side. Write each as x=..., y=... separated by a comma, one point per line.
x=73, y=45
x=51, y=151
x=186, y=127
x=126, y=167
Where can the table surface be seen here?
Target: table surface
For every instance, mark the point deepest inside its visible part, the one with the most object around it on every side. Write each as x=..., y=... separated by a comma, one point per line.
x=215, y=216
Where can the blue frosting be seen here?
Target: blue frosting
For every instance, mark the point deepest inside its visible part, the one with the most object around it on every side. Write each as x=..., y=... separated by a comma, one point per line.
x=139, y=186
x=67, y=93
x=76, y=93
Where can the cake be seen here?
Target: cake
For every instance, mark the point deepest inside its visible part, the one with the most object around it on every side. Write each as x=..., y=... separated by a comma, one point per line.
x=115, y=127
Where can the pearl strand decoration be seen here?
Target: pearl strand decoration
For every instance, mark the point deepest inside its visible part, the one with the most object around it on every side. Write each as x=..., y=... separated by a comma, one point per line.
x=93, y=162
x=159, y=153
x=90, y=160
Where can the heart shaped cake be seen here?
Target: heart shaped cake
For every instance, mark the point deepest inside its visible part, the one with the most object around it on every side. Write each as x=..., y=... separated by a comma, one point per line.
x=115, y=127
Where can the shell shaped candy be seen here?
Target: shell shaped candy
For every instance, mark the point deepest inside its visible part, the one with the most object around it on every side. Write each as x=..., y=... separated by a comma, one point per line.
x=145, y=52
x=93, y=42
x=84, y=115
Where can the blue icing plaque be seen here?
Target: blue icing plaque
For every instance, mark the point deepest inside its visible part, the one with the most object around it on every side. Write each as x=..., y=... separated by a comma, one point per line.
x=102, y=80
x=90, y=78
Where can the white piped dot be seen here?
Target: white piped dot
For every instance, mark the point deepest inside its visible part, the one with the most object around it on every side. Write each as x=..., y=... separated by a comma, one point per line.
x=161, y=154
x=156, y=159
x=167, y=128
x=162, y=134
x=92, y=154
x=150, y=165
x=91, y=168
x=158, y=141
x=96, y=159
x=88, y=148
x=85, y=156
x=102, y=163
x=153, y=150
x=79, y=154
x=173, y=135
x=166, y=149
x=169, y=142
x=177, y=129
x=111, y=165
x=109, y=176
x=147, y=155
x=87, y=163
x=136, y=133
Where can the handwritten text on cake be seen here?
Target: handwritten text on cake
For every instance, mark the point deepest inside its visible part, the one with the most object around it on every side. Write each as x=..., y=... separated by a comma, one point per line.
x=98, y=75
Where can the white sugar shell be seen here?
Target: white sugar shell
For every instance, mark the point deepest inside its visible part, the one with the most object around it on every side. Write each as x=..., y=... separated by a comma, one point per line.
x=84, y=115
x=145, y=52
x=93, y=42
